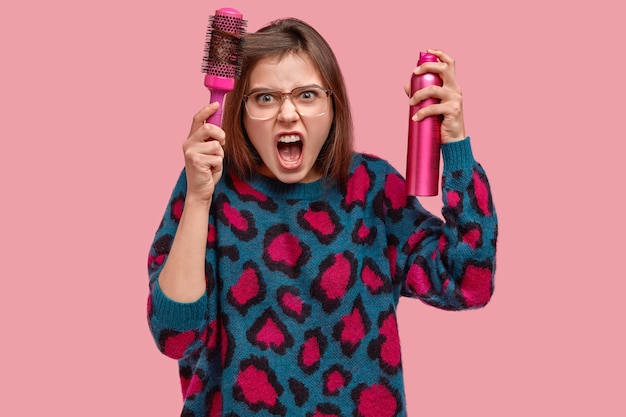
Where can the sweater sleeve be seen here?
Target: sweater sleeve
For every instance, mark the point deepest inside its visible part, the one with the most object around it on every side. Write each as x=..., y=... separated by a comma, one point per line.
x=450, y=263
x=179, y=329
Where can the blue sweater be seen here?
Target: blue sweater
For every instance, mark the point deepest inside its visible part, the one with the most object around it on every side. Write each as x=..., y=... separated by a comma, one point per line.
x=303, y=283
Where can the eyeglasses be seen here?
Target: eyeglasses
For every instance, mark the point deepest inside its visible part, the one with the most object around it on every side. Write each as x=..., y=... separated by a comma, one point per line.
x=310, y=101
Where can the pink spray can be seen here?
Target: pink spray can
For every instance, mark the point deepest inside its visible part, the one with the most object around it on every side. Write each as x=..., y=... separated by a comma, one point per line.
x=424, y=144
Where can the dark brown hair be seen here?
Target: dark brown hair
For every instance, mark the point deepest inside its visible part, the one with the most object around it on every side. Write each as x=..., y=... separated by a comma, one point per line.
x=276, y=40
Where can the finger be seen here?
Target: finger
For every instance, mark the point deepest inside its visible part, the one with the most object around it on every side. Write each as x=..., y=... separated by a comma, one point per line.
x=449, y=111
x=216, y=163
x=207, y=132
x=442, y=56
x=202, y=115
x=445, y=67
x=210, y=132
x=209, y=148
x=424, y=112
x=209, y=163
x=197, y=163
x=431, y=91
x=448, y=92
x=212, y=148
x=407, y=89
x=430, y=67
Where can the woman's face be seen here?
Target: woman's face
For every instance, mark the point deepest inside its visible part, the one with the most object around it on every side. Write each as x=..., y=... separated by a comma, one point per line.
x=289, y=143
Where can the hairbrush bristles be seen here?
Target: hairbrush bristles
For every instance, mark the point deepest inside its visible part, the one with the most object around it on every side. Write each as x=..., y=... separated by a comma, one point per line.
x=222, y=56
x=222, y=49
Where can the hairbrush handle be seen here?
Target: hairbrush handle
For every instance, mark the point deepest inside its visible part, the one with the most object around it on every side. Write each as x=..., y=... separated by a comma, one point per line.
x=222, y=56
x=218, y=87
x=424, y=139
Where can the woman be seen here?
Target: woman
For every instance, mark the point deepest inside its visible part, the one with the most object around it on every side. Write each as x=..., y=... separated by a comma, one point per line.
x=276, y=271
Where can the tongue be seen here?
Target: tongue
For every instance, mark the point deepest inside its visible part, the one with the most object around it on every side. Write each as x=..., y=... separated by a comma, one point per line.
x=290, y=152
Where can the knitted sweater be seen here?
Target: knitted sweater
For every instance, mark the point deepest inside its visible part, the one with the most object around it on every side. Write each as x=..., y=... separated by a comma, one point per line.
x=303, y=283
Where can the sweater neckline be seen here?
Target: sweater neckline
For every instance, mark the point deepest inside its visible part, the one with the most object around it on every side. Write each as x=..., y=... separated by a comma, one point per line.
x=298, y=191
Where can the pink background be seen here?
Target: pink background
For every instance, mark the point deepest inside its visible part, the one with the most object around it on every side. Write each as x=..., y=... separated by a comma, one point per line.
x=97, y=97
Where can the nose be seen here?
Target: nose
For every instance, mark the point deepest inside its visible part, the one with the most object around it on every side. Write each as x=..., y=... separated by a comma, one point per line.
x=287, y=111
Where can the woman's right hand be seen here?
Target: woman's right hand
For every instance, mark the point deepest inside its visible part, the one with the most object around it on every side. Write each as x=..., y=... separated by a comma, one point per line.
x=204, y=155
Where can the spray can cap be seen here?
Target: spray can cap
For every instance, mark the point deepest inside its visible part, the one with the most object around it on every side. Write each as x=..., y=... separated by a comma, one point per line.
x=426, y=57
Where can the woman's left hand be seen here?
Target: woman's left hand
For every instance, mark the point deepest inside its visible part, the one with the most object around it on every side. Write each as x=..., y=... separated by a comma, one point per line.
x=449, y=94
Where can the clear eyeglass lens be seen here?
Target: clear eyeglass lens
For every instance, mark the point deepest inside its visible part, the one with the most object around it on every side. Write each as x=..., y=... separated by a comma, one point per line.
x=309, y=101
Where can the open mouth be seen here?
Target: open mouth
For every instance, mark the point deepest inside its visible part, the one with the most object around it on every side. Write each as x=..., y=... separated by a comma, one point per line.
x=290, y=150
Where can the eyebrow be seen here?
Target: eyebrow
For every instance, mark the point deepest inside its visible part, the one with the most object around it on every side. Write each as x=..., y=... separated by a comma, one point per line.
x=268, y=90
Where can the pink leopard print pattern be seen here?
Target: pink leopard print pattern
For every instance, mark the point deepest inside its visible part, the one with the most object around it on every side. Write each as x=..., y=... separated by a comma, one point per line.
x=303, y=282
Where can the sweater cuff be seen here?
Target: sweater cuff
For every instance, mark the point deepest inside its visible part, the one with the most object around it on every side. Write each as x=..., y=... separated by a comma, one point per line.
x=176, y=315
x=457, y=155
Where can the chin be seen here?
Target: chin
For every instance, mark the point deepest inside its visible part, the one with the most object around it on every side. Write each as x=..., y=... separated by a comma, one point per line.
x=287, y=176
x=296, y=176
x=291, y=178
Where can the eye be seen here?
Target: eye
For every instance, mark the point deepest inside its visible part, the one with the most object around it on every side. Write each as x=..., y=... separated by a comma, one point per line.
x=265, y=98
x=308, y=95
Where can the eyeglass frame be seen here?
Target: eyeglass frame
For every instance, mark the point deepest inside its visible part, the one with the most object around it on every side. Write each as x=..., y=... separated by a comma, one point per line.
x=245, y=98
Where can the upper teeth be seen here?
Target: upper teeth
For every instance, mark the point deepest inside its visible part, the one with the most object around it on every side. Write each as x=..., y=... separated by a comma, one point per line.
x=289, y=139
